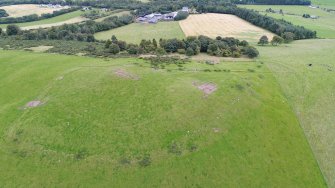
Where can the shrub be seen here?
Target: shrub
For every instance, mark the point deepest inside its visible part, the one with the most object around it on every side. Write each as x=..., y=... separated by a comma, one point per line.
x=288, y=37
x=189, y=51
x=181, y=51
x=263, y=40
x=3, y=13
x=145, y=161
x=114, y=49
x=13, y=30
x=251, y=52
x=236, y=54
x=277, y=40
x=181, y=15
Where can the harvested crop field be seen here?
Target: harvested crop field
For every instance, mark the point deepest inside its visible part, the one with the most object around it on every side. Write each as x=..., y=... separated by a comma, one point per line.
x=224, y=25
x=28, y=9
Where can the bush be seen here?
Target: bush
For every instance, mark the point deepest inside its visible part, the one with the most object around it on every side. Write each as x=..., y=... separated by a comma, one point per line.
x=288, y=37
x=181, y=51
x=251, y=51
x=145, y=161
x=277, y=40
x=189, y=51
x=114, y=49
x=3, y=13
x=236, y=54
x=13, y=30
x=263, y=40
x=181, y=15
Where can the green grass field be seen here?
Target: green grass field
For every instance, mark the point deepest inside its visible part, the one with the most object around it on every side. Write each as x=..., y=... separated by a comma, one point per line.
x=311, y=91
x=95, y=128
x=324, y=2
x=135, y=32
x=325, y=25
x=56, y=19
x=114, y=13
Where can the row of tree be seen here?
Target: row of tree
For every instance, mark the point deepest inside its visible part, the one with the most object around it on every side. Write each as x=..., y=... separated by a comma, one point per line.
x=274, y=2
x=35, y=17
x=80, y=32
x=223, y=47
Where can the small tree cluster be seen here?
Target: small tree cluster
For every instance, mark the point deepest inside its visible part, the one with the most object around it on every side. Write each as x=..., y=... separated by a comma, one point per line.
x=287, y=37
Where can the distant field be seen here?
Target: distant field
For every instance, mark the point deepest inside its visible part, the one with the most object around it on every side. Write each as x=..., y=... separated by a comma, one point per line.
x=311, y=91
x=117, y=13
x=65, y=18
x=133, y=33
x=27, y=9
x=325, y=25
x=224, y=25
x=324, y=2
x=96, y=128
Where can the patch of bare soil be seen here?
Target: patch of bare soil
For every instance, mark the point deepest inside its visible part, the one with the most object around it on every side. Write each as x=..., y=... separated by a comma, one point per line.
x=33, y=104
x=123, y=74
x=39, y=48
x=206, y=88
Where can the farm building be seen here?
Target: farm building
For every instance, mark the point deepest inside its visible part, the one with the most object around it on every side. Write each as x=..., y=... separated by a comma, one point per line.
x=185, y=9
x=155, y=17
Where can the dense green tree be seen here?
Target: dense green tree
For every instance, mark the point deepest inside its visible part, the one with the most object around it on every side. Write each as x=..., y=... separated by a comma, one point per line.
x=108, y=43
x=189, y=51
x=263, y=40
x=13, y=30
x=114, y=49
x=251, y=51
x=276, y=40
x=3, y=13
x=288, y=37
x=154, y=42
x=114, y=39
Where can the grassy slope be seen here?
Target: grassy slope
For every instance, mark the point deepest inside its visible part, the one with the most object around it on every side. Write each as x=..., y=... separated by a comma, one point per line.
x=114, y=13
x=133, y=33
x=92, y=112
x=324, y=2
x=325, y=25
x=56, y=19
x=311, y=90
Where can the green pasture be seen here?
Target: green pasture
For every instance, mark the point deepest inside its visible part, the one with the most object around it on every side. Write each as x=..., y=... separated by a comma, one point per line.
x=306, y=73
x=135, y=32
x=97, y=129
x=324, y=25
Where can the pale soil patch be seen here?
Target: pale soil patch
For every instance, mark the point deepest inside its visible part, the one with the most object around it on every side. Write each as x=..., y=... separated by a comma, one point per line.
x=123, y=74
x=70, y=21
x=225, y=25
x=40, y=48
x=206, y=88
x=28, y=9
x=33, y=104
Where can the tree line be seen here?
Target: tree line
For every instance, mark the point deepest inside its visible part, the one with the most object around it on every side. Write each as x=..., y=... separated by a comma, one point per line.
x=274, y=2
x=221, y=47
x=80, y=32
x=35, y=17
